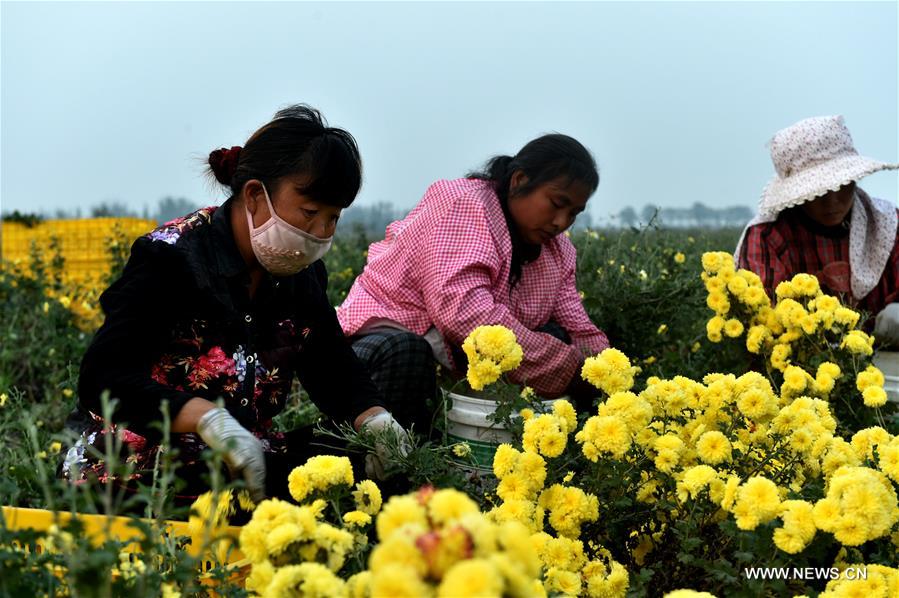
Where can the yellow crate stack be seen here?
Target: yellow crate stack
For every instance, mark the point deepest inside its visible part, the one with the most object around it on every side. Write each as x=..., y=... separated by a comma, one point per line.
x=100, y=528
x=84, y=242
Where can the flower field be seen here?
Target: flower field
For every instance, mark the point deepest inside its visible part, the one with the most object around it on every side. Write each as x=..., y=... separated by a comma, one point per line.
x=732, y=433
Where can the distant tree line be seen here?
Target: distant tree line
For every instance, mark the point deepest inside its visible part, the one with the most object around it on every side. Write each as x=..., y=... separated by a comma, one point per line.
x=373, y=219
x=698, y=215
x=167, y=209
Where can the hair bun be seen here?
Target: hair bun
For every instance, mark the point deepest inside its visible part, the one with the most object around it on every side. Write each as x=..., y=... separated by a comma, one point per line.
x=224, y=163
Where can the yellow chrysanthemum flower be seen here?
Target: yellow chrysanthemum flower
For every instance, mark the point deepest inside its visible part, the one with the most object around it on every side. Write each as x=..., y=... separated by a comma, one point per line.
x=610, y=371
x=210, y=511
x=504, y=460
x=756, y=297
x=399, y=511
x=562, y=582
x=714, y=261
x=607, y=434
x=860, y=505
x=544, y=435
x=491, y=350
x=889, y=461
x=566, y=415
x=714, y=329
x=758, y=501
x=367, y=497
x=874, y=396
x=399, y=582
x=471, y=578
x=356, y=518
x=799, y=526
x=780, y=356
x=713, y=447
x=359, y=585
x=756, y=338
x=733, y=328
x=694, y=480
x=449, y=505
x=858, y=342
x=718, y=303
x=846, y=317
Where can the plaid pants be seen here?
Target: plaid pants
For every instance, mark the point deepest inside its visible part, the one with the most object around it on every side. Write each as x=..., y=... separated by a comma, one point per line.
x=403, y=367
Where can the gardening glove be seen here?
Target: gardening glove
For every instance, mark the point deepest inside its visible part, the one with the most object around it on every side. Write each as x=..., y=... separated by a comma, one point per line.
x=886, y=325
x=390, y=438
x=242, y=451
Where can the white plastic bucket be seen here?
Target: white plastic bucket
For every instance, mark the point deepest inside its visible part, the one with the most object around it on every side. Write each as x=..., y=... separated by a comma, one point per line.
x=888, y=363
x=467, y=422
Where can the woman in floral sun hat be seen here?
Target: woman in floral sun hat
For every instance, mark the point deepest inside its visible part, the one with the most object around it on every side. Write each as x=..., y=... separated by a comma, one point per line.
x=487, y=249
x=229, y=303
x=813, y=218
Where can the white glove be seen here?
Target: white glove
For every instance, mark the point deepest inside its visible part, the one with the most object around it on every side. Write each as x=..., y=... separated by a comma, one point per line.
x=242, y=451
x=390, y=438
x=886, y=324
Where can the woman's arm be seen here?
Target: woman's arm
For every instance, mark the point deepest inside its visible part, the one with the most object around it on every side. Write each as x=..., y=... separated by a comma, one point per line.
x=569, y=313
x=328, y=368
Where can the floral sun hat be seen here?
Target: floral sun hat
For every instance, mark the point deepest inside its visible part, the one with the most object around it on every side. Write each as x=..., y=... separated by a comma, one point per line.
x=812, y=157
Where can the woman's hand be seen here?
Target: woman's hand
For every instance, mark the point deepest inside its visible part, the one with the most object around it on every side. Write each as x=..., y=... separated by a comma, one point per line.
x=242, y=451
x=390, y=438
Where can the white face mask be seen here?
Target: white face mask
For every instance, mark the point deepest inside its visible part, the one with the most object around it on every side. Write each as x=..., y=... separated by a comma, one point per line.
x=281, y=248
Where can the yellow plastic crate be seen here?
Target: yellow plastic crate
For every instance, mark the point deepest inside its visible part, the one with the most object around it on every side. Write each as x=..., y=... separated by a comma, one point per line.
x=83, y=242
x=100, y=528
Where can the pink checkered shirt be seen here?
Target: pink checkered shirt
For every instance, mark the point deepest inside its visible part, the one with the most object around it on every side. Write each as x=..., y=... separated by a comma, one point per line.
x=446, y=264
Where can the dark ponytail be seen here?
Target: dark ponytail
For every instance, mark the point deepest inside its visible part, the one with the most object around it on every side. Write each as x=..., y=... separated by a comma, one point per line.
x=542, y=160
x=297, y=141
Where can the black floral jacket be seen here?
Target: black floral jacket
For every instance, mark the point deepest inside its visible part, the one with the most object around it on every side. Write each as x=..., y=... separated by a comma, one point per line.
x=180, y=324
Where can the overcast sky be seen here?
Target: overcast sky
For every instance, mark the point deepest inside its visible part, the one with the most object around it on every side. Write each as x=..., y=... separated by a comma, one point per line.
x=123, y=101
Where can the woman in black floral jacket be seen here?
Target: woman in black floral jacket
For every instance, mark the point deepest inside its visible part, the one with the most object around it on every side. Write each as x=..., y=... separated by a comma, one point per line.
x=229, y=303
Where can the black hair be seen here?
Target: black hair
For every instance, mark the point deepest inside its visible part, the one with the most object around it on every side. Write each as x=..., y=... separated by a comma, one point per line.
x=297, y=141
x=542, y=160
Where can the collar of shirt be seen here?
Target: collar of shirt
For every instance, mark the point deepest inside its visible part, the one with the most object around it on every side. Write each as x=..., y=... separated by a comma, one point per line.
x=226, y=257
x=218, y=266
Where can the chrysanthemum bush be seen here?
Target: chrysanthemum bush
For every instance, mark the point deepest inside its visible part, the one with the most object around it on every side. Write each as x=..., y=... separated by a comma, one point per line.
x=71, y=564
x=305, y=548
x=785, y=456
x=437, y=542
x=688, y=480
x=339, y=541
x=642, y=288
x=46, y=318
x=491, y=352
x=135, y=555
x=807, y=342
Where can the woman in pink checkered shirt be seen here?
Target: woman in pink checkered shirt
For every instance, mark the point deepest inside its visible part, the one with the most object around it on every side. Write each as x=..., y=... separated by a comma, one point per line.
x=485, y=249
